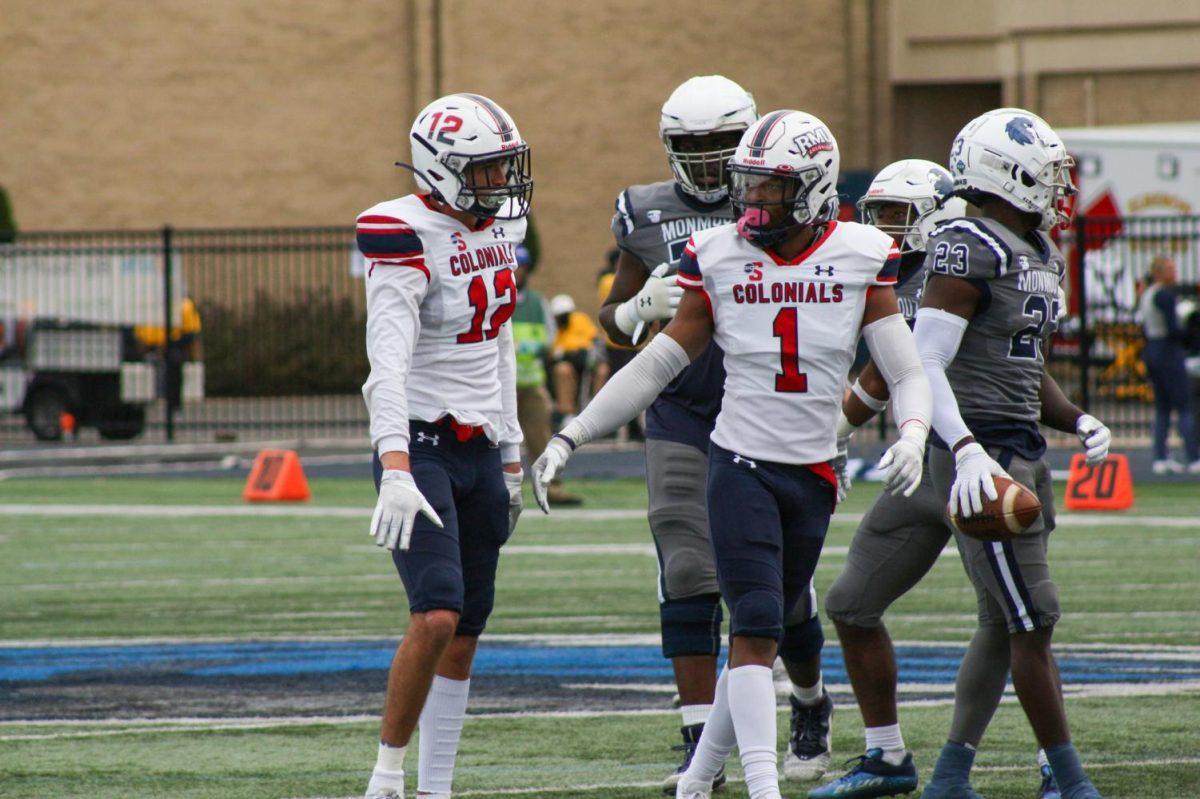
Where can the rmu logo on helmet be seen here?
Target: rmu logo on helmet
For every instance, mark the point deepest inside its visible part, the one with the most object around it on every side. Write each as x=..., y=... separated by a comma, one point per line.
x=817, y=140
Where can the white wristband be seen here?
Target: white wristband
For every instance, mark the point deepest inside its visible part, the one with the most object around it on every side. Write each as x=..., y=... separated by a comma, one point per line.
x=874, y=404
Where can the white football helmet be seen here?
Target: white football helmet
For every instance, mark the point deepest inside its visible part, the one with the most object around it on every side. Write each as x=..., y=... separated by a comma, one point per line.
x=787, y=158
x=468, y=152
x=922, y=186
x=1013, y=154
x=700, y=107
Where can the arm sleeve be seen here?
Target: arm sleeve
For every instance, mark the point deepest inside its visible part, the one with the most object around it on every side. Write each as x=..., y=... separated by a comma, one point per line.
x=938, y=334
x=397, y=280
x=629, y=391
x=510, y=433
x=894, y=351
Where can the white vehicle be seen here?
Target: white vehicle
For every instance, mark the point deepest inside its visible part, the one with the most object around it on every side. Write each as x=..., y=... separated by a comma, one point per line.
x=70, y=322
x=1149, y=176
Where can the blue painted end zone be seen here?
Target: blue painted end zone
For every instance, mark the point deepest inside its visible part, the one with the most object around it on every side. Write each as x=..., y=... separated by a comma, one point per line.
x=569, y=664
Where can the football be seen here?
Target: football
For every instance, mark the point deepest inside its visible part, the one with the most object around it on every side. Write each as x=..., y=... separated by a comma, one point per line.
x=1011, y=513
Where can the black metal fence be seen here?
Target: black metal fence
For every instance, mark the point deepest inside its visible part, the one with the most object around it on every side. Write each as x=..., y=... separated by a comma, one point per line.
x=1097, y=355
x=270, y=321
x=274, y=320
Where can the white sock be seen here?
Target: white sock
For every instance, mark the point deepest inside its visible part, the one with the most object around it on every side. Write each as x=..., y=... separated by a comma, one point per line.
x=752, y=705
x=811, y=695
x=1042, y=760
x=441, y=726
x=718, y=739
x=889, y=740
x=389, y=765
x=695, y=714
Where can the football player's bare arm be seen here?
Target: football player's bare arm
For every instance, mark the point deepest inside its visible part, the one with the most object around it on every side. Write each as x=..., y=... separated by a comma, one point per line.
x=1058, y=411
x=629, y=278
x=692, y=327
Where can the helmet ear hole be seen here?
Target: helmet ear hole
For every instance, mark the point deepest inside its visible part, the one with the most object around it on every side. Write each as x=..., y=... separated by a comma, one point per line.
x=1028, y=179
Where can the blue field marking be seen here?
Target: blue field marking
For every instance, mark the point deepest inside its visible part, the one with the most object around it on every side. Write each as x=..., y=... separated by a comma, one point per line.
x=918, y=664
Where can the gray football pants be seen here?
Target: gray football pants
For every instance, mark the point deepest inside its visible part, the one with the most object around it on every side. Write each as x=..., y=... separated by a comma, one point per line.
x=896, y=544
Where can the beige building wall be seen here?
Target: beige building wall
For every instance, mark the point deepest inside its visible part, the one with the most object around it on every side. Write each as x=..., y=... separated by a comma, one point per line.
x=116, y=113
x=1075, y=62
x=270, y=112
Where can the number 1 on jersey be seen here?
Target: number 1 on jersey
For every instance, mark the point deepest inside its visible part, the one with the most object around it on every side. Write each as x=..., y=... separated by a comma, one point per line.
x=786, y=328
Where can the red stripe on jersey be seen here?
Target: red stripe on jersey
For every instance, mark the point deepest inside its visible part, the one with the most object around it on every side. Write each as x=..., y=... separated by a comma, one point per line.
x=688, y=282
x=392, y=256
x=414, y=263
x=380, y=219
x=802, y=257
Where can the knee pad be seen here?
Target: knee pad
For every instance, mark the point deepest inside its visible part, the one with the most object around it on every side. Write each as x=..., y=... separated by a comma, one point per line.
x=757, y=613
x=840, y=606
x=688, y=569
x=802, y=641
x=691, y=626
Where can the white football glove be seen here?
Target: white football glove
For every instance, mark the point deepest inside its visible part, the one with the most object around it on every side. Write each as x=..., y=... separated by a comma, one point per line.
x=547, y=467
x=839, y=467
x=1095, y=437
x=513, y=481
x=658, y=298
x=901, y=465
x=396, y=511
x=974, y=471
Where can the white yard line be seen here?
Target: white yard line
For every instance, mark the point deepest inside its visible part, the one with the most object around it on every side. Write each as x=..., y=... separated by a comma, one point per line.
x=148, y=726
x=1129, y=651
x=611, y=514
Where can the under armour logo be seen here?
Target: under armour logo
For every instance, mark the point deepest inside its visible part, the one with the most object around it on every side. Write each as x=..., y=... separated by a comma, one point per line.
x=823, y=270
x=740, y=459
x=425, y=438
x=497, y=232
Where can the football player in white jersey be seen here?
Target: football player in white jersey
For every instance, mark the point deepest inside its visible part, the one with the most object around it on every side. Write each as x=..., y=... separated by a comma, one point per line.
x=785, y=292
x=442, y=400
x=700, y=125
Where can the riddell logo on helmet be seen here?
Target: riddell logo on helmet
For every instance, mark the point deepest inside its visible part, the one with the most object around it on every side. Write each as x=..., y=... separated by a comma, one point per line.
x=756, y=161
x=817, y=140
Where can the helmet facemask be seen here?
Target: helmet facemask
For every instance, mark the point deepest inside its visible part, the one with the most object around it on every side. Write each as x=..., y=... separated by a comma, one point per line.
x=908, y=234
x=770, y=205
x=700, y=161
x=497, y=185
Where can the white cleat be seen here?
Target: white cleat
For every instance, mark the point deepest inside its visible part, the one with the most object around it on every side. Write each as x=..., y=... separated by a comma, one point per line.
x=1168, y=466
x=386, y=785
x=796, y=769
x=686, y=789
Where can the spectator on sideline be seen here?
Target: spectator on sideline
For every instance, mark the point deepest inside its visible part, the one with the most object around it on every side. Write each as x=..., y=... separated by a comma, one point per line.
x=617, y=355
x=1164, y=357
x=576, y=355
x=533, y=329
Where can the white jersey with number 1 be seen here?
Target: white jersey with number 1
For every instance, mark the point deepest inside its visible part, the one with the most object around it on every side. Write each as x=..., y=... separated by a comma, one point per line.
x=439, y=297
x=789, y=330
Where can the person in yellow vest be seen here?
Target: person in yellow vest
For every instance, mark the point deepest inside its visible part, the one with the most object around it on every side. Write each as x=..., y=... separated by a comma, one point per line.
x=576, y=355
x=533, y=330
x=183, y=347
